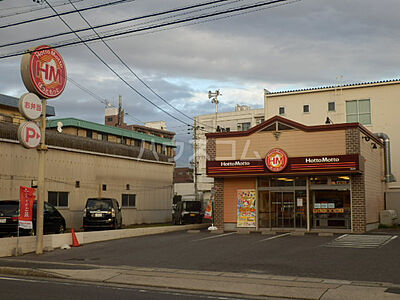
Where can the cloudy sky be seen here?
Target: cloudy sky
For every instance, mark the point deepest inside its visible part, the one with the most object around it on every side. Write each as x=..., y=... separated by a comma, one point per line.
x=300, y=44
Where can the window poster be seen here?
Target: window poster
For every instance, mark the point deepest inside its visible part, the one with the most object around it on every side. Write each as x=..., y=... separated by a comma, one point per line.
x=246, y=208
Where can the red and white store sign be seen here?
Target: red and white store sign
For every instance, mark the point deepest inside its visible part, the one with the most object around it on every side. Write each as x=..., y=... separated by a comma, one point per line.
x=30, y=106
x=276, y=160
x=43, y=72
x=29, y=134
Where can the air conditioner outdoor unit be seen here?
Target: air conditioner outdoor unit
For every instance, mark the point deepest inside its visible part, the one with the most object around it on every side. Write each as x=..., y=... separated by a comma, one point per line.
x=389, y=217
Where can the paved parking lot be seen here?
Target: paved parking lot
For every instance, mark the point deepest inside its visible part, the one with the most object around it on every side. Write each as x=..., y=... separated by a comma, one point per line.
x=282, y=254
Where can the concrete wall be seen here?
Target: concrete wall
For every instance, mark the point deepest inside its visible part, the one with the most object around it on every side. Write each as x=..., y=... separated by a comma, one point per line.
x=393, y=201
x=150, y=181
x=27, y=244
x=184, y=188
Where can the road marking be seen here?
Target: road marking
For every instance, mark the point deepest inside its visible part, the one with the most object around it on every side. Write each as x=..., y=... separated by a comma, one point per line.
x=393, y=237
x=361, y=241
x=18, y=279
x=215, y=236
x=342, y=236
x=274, y=237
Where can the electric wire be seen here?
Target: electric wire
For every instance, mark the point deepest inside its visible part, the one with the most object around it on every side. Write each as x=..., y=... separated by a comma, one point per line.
x=33, y=9
x=270, y=2
x=80, y=41
x=114, y=23
x=64, y=13
x=115, y=72
x=100, y=99
x=131, y=70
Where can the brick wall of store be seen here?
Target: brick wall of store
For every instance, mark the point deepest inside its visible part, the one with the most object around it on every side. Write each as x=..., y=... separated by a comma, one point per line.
x=219, y=203
x=211, y=149
x=357, y=184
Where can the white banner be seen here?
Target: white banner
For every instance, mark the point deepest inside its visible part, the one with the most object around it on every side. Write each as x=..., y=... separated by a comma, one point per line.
x=25, y=224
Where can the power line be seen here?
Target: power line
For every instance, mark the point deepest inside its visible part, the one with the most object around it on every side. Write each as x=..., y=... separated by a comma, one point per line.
x=35, y=8
x=101, y=100
x=115, y=72
x=112, y=23
x=113, y=35
x=64, y=13
x=130, y=69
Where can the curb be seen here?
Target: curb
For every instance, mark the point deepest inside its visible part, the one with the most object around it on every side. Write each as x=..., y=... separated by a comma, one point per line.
x=29, y=272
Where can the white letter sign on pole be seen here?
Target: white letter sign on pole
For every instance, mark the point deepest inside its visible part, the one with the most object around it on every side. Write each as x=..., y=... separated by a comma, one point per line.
x=30, y=106
x=29, y=135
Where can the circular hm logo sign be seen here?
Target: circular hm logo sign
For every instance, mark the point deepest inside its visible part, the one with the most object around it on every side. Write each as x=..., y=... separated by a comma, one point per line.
x=276, y=160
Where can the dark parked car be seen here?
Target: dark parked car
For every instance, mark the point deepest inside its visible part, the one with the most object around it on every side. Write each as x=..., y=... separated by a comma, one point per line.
x=54, y=222
x=187, y=212
x=102, y=213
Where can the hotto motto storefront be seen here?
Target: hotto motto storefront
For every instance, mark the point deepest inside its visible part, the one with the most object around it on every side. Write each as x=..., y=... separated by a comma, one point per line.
x=282, y=175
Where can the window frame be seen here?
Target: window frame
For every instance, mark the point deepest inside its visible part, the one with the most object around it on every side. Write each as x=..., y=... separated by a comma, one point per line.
x=357, y=101
x=334, y=106
x=57, y=204
x=128, y=199
x=279, y=110
x=308, y=108
x=245, y=126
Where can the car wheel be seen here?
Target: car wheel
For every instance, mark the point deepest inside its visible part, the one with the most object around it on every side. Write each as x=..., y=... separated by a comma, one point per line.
x=61, y=228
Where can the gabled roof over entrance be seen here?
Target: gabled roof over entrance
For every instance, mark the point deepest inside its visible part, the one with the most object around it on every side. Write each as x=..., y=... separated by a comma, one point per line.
x=278, y=123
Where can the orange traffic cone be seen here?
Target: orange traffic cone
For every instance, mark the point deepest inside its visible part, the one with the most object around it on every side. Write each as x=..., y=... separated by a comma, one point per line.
x=75, y=242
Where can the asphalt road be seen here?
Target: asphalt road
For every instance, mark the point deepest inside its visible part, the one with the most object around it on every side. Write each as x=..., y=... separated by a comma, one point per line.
x=32, y=289
x=254, y=253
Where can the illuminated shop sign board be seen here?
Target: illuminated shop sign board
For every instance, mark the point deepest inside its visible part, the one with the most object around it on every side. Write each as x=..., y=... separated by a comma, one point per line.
x=310, y=164
x=276, y=160
x=328, y=210
x=43, y=72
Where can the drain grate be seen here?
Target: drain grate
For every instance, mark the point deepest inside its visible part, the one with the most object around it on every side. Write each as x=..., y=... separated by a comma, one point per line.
x=360, y=241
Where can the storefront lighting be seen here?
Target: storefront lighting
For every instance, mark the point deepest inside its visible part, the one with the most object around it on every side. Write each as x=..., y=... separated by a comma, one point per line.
x=344, y=177
x=285, y=179
x=366, y=138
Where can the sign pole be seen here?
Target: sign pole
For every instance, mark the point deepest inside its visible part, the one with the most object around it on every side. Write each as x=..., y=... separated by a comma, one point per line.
x=41, y=182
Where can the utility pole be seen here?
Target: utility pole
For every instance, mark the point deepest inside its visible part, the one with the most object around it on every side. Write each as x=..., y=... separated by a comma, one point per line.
x=41, y=181
x=214, y=99
x=195, y=162
x=196, y=190
x=120, y=111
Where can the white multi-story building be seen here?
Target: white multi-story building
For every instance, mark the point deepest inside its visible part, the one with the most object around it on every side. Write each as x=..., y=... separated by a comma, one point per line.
x=243, y=118
x=375, y=105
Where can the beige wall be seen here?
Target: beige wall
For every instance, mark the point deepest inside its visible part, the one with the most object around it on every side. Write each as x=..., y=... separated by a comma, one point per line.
x=231, y=186
x=151, y=182
x=374, y=180
x=294, y=142
x=14, y=114
x=385, y=105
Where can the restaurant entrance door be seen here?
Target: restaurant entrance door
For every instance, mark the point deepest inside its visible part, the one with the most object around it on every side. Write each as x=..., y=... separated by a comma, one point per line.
x=282, y=209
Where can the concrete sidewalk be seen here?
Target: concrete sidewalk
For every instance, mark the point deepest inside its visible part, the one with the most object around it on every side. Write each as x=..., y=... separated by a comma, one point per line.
x=220, y=282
